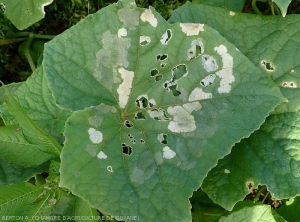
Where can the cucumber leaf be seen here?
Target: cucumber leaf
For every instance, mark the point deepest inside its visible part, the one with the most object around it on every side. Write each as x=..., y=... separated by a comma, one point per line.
x=24, y=13
x=155, y=106
x=271, y=155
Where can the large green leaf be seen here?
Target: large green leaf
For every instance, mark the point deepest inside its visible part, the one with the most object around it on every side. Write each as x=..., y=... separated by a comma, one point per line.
x=24, y=13
x=271, y=155
x=157, y=106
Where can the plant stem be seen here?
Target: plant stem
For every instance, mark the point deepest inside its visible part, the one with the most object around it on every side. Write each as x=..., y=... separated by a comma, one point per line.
x=11, y=41
x=265, y=197
x=256, y=10
x=260, y=190
x=272, y=7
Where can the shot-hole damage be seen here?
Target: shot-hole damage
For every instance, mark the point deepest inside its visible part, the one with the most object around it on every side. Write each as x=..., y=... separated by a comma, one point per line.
x=142, y=141
x=198, y=94
x=128, y=124
x=162, y=138
x=158, y=78
x=289, y=84
x=191, y=29
x=226, y=73
x=208, y=80
x=142, y=101
x=139, y=116
x=124, y=88
x=209, y=63
x=183, y=121
x=197, y=48
x=268, y=66
x=154, y=72
x=250, y=185
x=168, y=153
x=163, y=65
x=110, y=169
x=126, y=149
x=148, y=16
x=144, y=40
x=122, y=32
x=158, y=114
x=166, y=37
x=101, y=155
x=95, y=136
x=178, y=72
x=161, y=57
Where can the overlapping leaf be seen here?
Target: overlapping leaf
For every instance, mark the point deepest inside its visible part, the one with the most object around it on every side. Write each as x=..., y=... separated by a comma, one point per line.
x=12, y=173
x=271, y=155
x=24, y=13
x=158, y=105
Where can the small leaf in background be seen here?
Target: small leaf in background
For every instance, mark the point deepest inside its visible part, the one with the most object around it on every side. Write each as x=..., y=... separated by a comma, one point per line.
x=233, y=5
x=283, y=5
x=153, y=104
x=24, y=13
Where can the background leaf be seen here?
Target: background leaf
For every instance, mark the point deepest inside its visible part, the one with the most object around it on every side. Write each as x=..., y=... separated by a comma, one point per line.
x=290, y=210
x=24, y=13
x=150, y=113
x=233, y=5
x=15, y=148
x=271, y=155
x=12, y=173
x=253, y=213
x=21, y=200
x=36, y=99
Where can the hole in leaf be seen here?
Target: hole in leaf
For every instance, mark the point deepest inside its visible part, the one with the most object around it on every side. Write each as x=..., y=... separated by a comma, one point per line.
x=163, y=65
x=179, y=71
x=197, y=48
x=142, y=141
x=250, y=185
x=153, y=72
x=142, y=102
x=139, y=116
x=130, y=136
x=144, y=40
x=157, y=78
x=158, y=114
x=126, y=149
x=128, y=124
x=162, y=138
x=208, y=80
x=161, y=57
x=268, y=66
x=166, y=37
x=209, y=63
